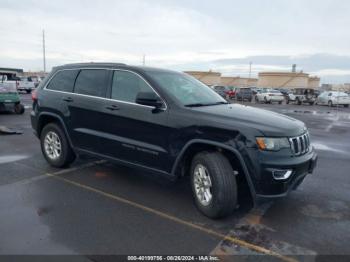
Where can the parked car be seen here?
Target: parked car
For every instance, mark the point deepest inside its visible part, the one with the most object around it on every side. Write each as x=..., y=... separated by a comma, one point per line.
x=302, y=95
x=25, y=84
x=9, y=98
x=171, y=124
x=224, y=91
x=269, y=96
x=244, y=93
x=332, y=98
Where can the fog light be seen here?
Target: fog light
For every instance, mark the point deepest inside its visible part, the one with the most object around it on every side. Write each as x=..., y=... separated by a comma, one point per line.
x=281, y=174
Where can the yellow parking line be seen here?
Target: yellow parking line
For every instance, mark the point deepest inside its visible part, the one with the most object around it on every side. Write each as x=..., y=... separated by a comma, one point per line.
x=177, y=220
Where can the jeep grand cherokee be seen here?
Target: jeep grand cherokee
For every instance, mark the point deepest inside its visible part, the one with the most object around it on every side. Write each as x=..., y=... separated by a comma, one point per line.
x=171, y=124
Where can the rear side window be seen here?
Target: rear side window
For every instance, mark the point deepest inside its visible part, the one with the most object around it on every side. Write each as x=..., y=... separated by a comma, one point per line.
x=63, y=81
x=92, y=82
x=127, y=85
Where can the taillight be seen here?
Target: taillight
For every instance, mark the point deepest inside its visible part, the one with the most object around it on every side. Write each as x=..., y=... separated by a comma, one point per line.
x=34, y=95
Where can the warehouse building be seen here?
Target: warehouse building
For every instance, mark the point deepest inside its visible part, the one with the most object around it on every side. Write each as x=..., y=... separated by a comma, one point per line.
x=239, y=81
x=209, y=78
x=214, y=78
x=287, y=80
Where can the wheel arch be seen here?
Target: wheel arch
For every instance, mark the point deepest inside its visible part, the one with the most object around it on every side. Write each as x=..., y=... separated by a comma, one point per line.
x=46, y=118
x=182, y=162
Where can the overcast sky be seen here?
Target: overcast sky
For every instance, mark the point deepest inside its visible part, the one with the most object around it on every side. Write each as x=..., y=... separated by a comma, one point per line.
x=181, y=34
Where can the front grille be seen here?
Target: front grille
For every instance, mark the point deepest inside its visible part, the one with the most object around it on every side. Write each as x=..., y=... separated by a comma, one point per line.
x=300, y=145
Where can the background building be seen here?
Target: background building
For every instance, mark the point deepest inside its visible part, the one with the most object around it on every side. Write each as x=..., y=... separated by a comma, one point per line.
x=283, y=80
x=239, y=81
x=208, y=78
x=11, y=72
x=314, y=82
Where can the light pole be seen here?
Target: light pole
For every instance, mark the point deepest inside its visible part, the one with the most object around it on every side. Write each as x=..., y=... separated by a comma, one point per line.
x=250, y=69
x=44, y=54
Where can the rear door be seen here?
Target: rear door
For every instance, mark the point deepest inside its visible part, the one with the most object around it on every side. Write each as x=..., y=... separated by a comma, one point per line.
x=134, y=133
x=86, y=108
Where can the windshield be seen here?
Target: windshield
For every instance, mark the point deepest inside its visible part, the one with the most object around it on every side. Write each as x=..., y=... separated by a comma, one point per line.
x=186, y=89
x=340, y=94
x=7, y=88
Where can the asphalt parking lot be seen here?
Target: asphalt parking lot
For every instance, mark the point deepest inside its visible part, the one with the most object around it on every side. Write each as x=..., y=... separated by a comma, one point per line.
x=98, y=208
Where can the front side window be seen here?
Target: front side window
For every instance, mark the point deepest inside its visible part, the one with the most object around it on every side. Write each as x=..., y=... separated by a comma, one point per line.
x=92, y=82
x=186, y=89
x=63, y=81
x=126, y=86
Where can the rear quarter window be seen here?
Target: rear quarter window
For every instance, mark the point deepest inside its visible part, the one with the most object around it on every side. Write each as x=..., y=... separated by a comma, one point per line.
x=63, y=81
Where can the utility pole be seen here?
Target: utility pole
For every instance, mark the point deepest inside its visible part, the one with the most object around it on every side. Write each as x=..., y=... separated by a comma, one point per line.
x=250, y=69
x=44, y=54
x=144, y=60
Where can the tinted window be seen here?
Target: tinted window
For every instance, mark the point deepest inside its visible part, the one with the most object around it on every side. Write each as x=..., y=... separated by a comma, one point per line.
x=63, y=81
x=186, y=89
x=127, y=85
x=92, y=82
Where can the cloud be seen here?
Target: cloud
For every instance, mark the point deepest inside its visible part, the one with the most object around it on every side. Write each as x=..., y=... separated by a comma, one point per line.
x=183, y=34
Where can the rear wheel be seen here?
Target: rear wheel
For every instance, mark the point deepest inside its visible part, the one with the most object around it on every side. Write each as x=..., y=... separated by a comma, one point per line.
x=298, y=101
x=55, y=146
x=19, y=109
x=213, y=184
x=330, y=103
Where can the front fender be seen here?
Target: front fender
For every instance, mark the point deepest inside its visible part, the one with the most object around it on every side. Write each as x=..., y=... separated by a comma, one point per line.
x=219, y=145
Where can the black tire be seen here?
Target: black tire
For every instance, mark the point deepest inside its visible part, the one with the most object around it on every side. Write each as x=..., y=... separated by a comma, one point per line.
x=19, y=109
x=330, y=103
x=280, y=102
x=287, y=101
x=298, y=101
x=224, y=187
x=312, y=103
x=28, y=91
x=67, y=155
x=265, y=100
x=346, y=105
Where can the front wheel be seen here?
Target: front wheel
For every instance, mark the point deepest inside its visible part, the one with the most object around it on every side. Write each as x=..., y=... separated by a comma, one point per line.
x=330, y=103
x=55, y=146
x=213, y=184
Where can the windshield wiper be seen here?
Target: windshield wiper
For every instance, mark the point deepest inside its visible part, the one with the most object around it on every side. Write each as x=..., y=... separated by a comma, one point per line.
x=208, y=104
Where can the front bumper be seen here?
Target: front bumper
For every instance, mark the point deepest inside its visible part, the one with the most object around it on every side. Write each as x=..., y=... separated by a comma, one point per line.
x=268, y=187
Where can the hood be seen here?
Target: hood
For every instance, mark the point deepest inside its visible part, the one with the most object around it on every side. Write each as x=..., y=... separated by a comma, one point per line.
x=267, y=122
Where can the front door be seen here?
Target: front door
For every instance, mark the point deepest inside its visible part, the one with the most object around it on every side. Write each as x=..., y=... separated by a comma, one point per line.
x=134, y=133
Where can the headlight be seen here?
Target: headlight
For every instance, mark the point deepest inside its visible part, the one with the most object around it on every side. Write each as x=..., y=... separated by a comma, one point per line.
x=272, y=144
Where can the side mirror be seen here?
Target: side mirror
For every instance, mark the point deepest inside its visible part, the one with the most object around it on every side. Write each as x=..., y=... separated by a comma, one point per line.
x=149, y=99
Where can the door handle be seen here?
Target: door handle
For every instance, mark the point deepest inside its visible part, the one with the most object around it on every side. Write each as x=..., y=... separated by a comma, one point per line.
x=67, y=99
x=112, y=107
